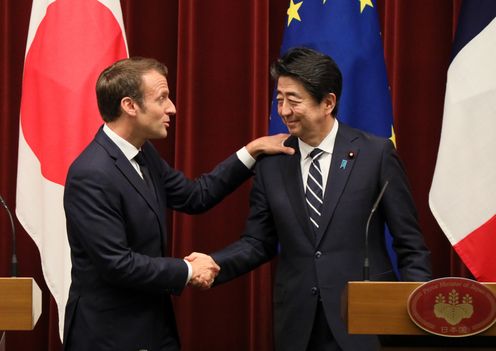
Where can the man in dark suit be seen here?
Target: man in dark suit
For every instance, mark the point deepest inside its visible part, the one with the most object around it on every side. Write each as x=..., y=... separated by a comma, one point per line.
x=115, y=198
x=311, y=209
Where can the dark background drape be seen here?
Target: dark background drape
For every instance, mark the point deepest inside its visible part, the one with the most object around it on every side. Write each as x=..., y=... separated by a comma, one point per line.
x=218, y=53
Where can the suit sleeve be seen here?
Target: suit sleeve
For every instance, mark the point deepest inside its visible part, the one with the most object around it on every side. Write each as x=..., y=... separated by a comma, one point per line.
x=258, y=243
x=201, y=194
x=97, y=231
x=401, y=217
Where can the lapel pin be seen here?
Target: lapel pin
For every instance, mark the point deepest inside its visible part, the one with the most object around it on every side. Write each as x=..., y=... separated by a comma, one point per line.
x=351, y=155
x=343, y=164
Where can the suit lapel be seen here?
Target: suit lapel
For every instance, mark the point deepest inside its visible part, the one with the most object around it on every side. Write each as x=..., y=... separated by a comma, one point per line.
x=291, y=171
x=343, y=159
x=128, y=171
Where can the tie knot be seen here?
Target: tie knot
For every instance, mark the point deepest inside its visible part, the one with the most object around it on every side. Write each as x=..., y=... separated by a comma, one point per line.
x=140, y=159
x=316, y=153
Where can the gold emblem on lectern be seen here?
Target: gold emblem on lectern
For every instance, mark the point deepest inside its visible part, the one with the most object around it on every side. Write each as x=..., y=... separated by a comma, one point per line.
x=453, y=311
x=452, y=307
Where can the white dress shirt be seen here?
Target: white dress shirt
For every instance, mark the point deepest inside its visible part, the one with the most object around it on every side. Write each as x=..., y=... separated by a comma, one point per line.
x=327, y=145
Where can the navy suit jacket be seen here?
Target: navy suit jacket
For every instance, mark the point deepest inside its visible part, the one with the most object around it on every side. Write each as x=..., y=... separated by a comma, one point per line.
x=121, y=281
x=320, y=263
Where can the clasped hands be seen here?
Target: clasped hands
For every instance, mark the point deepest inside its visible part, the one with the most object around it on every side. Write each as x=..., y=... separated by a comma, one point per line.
x=204, y=270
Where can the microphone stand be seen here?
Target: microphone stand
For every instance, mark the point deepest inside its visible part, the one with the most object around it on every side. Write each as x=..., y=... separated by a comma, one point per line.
x=366, y=265
x=14, y=256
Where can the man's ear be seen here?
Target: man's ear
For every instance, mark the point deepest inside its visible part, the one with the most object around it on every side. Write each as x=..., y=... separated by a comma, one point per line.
x=128, y=106
x=329, y=102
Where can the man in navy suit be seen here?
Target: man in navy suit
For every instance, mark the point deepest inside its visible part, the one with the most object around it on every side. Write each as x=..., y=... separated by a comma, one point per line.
x=311, y=209
x=115, y=198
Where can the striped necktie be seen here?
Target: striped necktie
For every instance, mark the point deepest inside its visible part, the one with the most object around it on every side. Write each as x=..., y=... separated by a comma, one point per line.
x=314, y=193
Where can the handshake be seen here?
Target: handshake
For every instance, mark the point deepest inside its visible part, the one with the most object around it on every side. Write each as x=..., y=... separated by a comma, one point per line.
x=204, y=270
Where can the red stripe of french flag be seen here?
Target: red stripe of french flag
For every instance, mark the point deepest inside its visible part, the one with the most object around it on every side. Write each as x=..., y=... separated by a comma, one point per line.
x=69, y=43
x=477, y=251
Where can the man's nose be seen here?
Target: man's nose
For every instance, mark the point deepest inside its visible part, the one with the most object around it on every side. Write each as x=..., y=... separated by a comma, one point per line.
x=170, y=108
x=285, y=108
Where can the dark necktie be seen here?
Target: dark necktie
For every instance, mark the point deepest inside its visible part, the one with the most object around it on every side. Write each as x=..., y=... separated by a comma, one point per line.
x=140, y=159
x=314, y=193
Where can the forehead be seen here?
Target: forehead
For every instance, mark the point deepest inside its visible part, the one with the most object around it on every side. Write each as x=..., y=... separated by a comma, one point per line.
x=289, y=85
x=154, y=81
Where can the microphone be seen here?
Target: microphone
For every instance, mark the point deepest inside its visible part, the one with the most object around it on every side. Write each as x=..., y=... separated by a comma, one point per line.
x=14, y=256
x=366, y=266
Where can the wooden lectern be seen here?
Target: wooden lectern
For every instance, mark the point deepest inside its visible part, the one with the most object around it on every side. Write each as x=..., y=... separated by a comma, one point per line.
x=381, y=308
x=20, y=305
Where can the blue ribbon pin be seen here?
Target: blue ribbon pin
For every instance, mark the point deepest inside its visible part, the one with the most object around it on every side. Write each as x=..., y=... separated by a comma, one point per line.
x=343, y=164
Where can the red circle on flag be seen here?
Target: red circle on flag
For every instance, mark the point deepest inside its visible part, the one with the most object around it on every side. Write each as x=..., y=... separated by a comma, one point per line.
x=74, y=42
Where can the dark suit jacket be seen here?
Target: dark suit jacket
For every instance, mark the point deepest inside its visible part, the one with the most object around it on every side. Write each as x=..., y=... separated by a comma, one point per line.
x=121, y=281
x=320, y=263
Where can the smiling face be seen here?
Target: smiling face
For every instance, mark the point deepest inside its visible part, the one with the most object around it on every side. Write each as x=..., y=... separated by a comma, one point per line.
x=305, y=118
x=153, y=115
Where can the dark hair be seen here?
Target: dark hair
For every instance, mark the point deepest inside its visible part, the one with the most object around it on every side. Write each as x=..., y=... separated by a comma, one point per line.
x=123, y=79
x=318, y=72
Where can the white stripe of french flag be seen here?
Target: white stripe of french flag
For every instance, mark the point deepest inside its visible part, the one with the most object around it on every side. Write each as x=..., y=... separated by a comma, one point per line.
x=69, y=43
x=463, y=192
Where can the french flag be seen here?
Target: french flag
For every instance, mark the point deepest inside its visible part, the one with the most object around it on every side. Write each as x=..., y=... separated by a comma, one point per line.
x=69, y=43
x=463, y=192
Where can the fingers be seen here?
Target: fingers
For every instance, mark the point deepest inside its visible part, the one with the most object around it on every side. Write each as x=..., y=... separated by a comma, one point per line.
x=204, y=282
x=204, y=270
x=272, y=144
x=281, y=148
x=287, y=150
x=192, y=256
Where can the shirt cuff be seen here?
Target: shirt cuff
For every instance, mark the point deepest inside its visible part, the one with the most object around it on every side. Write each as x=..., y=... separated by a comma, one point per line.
x=190, y=271
x=245, y=157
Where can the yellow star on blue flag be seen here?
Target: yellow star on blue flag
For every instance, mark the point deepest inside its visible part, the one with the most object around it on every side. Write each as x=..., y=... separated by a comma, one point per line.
x=293, y=11
x=364, y=3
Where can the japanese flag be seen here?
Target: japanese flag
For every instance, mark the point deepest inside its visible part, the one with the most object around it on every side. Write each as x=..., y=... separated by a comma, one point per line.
x=69, y=43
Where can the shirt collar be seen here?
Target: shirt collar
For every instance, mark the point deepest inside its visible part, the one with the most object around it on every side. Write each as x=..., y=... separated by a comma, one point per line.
x=128, y=149
x=327, y=145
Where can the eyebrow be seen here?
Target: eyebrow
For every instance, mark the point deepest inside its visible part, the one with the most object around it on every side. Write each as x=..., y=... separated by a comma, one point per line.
x=162, y=91
x=290, y=94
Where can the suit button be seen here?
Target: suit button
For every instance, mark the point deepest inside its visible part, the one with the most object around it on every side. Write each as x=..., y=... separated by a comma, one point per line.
x=318, y=254
x=315, y=290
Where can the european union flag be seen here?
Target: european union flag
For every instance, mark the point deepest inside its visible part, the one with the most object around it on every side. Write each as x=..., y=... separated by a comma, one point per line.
x=348, y=31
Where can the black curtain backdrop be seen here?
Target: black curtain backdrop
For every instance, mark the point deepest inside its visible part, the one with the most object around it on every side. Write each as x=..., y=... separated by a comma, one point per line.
x=218, y=53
